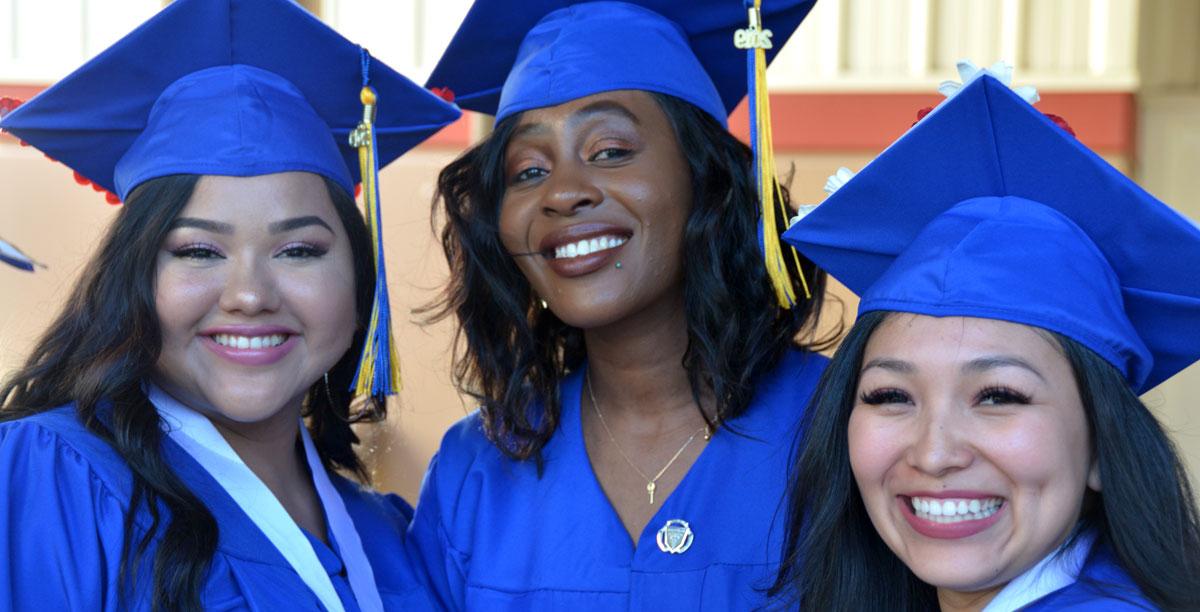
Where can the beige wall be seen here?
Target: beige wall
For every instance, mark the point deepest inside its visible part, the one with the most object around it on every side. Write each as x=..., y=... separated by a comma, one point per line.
x=1168, y=148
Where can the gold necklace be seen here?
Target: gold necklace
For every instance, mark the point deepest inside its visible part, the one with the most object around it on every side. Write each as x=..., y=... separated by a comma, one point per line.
x=651, y=483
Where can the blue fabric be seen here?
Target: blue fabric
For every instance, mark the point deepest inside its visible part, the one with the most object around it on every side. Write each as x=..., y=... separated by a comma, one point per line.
x=61, y=531
x=988, y=209
x=514, y=55
x=224, y=87
x=1103, y=586
x=493, y=536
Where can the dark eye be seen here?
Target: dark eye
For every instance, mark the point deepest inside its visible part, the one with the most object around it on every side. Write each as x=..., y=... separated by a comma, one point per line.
x=611, y=154
x=302, y=251
x=880, y=397
x=1001, y=396
x=528, y=174
x=197, y=252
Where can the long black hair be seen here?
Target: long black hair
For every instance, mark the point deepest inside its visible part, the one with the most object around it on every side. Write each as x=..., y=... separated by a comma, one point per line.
x=104, y=344
x=511, y=354
x=833, y=559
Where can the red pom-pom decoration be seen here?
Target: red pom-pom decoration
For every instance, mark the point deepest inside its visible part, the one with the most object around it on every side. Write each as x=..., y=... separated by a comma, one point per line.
x=7, y=105
x=444, y=93
x=81, y=179
x=111, y=198
x=1062, y=123
x=97, y=188
x=922, y=112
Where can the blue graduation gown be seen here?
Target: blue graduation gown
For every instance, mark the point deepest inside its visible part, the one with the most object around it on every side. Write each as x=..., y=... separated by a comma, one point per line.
x=1102, y=586
x=61, y=531
x=493, y=536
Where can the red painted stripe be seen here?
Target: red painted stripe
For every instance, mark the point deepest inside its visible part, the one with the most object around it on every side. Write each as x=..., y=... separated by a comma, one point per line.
x=1104, y=121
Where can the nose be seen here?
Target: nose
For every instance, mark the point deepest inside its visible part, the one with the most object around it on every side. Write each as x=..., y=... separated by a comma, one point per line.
x=570, y=190
x=250, y=288
x=941, y=445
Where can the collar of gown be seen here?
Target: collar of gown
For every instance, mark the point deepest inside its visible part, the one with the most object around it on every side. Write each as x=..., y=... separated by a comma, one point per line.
x=197, y=436
x=1058, y=569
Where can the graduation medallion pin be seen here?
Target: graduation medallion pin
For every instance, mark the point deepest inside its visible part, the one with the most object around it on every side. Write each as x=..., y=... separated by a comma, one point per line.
x=675, y=537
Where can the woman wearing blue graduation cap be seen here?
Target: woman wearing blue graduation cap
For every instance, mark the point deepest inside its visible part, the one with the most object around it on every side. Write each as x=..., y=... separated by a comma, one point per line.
x=634, y=360
x=174, y=439
x=977, y=441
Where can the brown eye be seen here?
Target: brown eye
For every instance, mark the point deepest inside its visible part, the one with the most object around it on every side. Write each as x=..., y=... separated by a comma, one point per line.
x=610, y=154
x=528, y=174
x=1001, y=396
x=196, y=252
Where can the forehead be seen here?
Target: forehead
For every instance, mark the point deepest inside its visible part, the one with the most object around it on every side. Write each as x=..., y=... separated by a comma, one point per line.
x=634, y=105
x=268, y=196
x=926, y=339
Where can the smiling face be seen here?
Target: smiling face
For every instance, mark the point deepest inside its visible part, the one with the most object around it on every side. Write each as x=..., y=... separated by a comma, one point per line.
x=598, y=191
x=970, y=447
x=255, y=295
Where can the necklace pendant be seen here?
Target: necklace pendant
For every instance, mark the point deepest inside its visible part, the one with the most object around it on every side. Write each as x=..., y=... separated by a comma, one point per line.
x=650, y=486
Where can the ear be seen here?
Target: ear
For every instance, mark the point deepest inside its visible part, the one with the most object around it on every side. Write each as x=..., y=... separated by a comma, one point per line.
x=1093, y=478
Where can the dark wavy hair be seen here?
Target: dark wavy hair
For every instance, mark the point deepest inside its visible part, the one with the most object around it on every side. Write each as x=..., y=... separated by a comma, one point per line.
x=511, y=354
x=833, y=559
x=104, y=344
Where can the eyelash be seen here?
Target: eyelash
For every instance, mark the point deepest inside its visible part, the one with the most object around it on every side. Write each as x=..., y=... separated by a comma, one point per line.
x=880, y=397
x=1005, y=395
x=622, y=153
x=997, y=396
x=303, y=250
x=197, y=251
x=523, y=175
x=200, y=251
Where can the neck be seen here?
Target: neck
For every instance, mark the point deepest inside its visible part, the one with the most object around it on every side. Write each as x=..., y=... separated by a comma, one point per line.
x=955, y=601
x=270, y=448
x=636, y=364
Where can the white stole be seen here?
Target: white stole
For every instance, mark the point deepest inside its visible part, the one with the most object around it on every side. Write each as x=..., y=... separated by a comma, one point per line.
x=200, y=438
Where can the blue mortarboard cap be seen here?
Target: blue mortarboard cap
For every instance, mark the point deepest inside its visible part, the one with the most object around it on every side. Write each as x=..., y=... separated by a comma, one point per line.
x=514, y=55
x=987, y=209
x=227, y=87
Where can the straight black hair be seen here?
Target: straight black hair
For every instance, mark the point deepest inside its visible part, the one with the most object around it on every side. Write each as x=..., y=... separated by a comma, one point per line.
x=511, y=354
x=833, y=559
x=104, y=344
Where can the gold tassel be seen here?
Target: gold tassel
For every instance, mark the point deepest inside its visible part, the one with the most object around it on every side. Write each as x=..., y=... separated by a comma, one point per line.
x=756, y=41
x=378, y=369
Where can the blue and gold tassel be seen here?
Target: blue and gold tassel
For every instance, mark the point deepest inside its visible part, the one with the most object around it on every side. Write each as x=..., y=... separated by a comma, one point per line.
x=756, y=40
x=378, y=369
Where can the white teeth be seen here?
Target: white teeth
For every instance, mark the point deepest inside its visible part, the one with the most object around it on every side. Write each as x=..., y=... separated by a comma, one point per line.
x=249, y=342
x=955, y=510
x=588, y=246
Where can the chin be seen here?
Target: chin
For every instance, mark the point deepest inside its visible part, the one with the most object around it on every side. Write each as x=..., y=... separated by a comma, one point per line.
x=959, y=573
x=250, y=401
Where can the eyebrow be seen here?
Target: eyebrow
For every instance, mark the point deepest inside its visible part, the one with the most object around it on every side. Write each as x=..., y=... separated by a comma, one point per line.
x=595, y=108
x=894, y=365
x=991, y=362
x=277, y=227
x=215, y=227
x=601, y=107
x=294, y=223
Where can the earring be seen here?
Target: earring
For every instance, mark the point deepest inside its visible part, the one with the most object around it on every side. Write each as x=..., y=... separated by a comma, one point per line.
x=543, y=304
x=328, y=392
